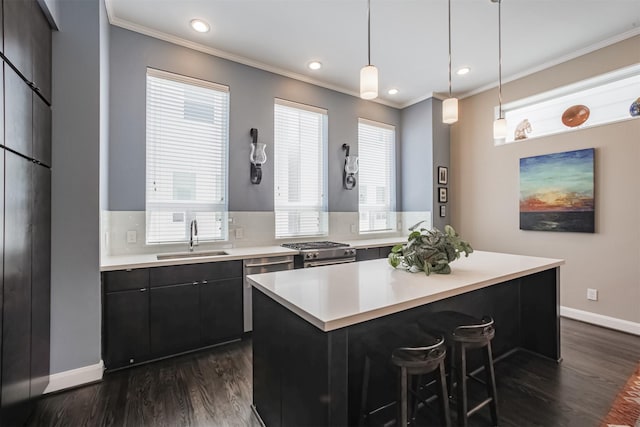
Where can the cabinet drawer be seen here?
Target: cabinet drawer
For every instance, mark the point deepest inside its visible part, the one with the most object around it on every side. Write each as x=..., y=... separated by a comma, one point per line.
x=125, y=280
x=178, y=274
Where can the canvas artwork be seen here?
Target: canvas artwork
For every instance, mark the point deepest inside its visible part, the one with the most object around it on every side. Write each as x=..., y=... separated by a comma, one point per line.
x=556, y=192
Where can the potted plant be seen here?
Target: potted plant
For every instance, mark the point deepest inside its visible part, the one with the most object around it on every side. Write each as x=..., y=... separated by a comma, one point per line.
x=430, y=251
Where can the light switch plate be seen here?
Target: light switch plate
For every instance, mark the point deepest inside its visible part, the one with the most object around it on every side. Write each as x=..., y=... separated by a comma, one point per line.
x=239, y=233
x=592, y=294
x=132, y=236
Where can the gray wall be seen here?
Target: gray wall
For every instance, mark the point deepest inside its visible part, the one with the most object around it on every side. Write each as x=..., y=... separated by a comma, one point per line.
x=425, y=146
x=104, y=106
x=441, y=155
x=417, y=157
x=252, y=95
x=75, y=283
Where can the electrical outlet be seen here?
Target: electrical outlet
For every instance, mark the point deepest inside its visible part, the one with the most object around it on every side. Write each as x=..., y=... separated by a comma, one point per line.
x=239, y=233
x=132, y=236
x=592, y=294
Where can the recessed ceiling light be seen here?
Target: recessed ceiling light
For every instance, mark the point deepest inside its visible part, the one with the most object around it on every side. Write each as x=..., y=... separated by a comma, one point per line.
x=199, y=25
x=462, y=71
x=392, y=91
x=315, y=65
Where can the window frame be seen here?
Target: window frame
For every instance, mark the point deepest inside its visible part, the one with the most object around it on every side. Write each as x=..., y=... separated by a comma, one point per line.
x=390, y=207
x=190, y=209
x=322, y=207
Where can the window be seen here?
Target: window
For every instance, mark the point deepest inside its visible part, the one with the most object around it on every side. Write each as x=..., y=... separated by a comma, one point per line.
x=376, y=183
x=187, y=146
x=607, y=99
x=299, y=161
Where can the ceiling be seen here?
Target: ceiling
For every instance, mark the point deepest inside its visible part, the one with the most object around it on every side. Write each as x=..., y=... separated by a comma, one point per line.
x=408, y=37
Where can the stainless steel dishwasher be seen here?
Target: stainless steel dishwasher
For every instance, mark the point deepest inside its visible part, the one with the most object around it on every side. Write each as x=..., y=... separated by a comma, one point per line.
x=258, y=266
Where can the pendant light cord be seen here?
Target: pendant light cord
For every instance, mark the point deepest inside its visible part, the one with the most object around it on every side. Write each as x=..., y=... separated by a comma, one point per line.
x=449, y=48
x=369, y=32
x=500, y=55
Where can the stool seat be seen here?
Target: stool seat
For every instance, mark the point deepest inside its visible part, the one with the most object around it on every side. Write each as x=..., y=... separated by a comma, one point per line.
x=464, y=332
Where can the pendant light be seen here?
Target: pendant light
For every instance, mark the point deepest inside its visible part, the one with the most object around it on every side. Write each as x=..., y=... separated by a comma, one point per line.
x=500, y=124
x=369, y=73
x=450, y=105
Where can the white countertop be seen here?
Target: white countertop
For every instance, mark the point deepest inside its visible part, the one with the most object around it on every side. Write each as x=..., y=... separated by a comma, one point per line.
x=336, y=296
x=123, y=262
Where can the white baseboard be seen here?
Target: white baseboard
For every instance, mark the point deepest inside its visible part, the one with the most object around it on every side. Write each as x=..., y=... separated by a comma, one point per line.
x=75, y=377
x=601, y=320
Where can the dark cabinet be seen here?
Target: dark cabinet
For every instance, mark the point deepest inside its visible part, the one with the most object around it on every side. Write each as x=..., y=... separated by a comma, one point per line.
x=18, y=119
x=160, y=311
x=25, y=131
x=41, y=130
x=124, y=280
x=126, y=332
x=40, y=278
x=2, y=26
x=175, y=326
x=27, y=43
x=126, y=317
x=18, y=16
x=41, y=53
x=16, y=327
x=385, y=251
x=220, y=310
x=195, y=305
x=367, y=254
x=372, y=253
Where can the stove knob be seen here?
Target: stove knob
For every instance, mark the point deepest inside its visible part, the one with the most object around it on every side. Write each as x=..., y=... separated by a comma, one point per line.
x=308, y=256
x=353, y=251
x=347, y=252
x=315, y=255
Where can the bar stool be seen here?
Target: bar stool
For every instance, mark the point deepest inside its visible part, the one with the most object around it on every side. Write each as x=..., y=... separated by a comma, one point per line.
x=464, y=332
x=414, y=353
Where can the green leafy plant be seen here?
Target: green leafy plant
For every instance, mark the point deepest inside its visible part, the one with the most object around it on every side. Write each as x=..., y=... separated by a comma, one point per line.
x=430, y=251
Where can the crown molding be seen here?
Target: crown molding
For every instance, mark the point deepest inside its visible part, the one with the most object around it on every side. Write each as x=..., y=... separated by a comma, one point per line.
x=128, y=25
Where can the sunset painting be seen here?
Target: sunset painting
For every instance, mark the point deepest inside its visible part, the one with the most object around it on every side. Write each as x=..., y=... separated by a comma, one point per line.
x=556, y=192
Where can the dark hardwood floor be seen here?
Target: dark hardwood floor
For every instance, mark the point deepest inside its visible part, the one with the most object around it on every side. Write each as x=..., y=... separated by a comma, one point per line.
x=213, y=387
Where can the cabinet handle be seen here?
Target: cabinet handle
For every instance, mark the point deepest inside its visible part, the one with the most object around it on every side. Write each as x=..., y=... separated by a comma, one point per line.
x=194, y=283
x=143, y=289
x=204, y=282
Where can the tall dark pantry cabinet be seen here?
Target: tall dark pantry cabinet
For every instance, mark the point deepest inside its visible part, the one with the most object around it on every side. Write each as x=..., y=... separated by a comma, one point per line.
x=25, y=202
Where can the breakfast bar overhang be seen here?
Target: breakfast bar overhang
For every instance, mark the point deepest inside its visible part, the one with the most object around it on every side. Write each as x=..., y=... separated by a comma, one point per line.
x=309, y=324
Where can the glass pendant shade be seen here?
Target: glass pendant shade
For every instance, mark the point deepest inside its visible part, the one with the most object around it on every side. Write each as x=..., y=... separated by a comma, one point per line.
x=500, y=128
x=450, y=110
x=369, y=82
x=258, y=154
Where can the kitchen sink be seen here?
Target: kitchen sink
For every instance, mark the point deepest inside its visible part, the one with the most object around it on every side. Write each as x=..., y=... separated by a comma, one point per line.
x=191, y=255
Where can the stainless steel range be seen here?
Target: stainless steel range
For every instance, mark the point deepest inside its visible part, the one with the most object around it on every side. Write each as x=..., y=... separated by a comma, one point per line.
x=315, y=254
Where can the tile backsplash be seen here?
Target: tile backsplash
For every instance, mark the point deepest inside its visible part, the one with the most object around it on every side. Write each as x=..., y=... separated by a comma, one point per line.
x=123, y=232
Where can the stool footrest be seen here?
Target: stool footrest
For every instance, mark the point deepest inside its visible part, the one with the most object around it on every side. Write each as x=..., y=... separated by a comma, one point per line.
x=479, y=406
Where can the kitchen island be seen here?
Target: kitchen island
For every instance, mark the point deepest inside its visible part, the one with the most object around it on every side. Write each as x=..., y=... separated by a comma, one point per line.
x=309, y=325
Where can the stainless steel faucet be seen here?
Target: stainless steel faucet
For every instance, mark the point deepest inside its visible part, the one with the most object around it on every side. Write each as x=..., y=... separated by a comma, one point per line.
x=414, y=226
x=193, y=231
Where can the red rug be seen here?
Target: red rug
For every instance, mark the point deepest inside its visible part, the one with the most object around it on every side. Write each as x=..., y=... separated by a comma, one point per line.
x=626, y=408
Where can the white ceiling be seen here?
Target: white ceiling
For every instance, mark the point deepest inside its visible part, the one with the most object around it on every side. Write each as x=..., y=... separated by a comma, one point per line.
x=408, y=37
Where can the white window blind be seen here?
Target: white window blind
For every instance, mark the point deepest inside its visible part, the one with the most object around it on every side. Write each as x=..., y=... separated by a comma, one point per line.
x=376, y=178
x=187, y=146
x=300, y=179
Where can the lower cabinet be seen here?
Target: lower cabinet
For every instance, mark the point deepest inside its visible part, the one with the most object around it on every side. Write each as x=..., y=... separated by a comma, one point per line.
x=175, y=324
x=367, y=254
x=148, y=317
x=126, y=320
x=220, y=318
